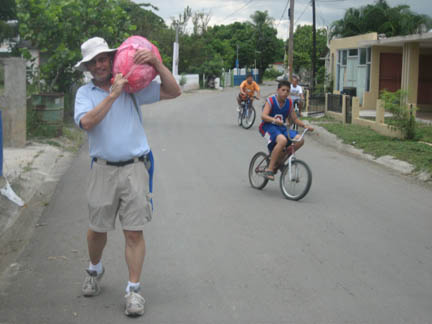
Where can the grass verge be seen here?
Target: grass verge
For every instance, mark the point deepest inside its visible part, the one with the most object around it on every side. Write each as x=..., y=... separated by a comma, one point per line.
x=416, y=152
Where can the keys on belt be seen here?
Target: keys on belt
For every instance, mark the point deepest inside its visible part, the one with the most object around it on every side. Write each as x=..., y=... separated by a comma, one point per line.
x=144, y=158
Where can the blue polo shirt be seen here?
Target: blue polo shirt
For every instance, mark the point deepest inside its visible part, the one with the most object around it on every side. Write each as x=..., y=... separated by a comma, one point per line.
x=120, y=135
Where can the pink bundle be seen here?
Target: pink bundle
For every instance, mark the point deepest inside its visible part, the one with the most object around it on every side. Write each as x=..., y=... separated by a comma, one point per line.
x=139, y=75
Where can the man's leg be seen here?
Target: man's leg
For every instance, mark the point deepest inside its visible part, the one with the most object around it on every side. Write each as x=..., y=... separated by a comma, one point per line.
x=281, y=142
x=96, y=243
x=135, y=253
x=298, y=145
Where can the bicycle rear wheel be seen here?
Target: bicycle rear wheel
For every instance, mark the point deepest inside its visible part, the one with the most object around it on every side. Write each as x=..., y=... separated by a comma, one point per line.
x=257, y=167
x=248, y=118
x=301, y=179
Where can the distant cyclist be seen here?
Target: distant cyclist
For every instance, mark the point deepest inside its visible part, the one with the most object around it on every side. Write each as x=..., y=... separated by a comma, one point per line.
x=297, y=93
x=277, y=110
x=248, y=89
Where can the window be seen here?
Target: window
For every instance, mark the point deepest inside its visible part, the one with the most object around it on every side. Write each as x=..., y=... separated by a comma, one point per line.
x=353, y=52
x=344, y=57
x=369, y=54
x=363, y=56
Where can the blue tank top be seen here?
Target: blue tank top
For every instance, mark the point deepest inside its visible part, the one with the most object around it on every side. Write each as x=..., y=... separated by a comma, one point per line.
x=277, y=111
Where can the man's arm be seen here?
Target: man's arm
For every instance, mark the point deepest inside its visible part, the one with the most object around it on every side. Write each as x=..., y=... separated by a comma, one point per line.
x=258, y=90
x=94, y=116
x=297, y=121
x=169, y=87
x=242, y=85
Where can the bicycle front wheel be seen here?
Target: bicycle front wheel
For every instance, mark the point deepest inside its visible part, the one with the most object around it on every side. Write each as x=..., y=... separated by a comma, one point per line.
x=239, y=117
x=296, y=185
x=248, y=118
x=257, y=167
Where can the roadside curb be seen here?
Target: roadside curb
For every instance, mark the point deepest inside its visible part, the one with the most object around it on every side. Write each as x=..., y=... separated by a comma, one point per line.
x=323, y=136
x=34, y=172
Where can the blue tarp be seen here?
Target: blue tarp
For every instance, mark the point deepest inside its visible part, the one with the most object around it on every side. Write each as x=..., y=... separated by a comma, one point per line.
x=238, y=79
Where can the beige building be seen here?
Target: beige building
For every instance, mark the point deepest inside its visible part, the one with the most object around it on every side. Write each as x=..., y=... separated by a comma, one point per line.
x=367, y=64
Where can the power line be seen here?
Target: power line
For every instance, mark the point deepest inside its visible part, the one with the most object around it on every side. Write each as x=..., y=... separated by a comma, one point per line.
x=304, y=10
x=247, y=4
x=332, y=0
x=321, y=17
x=280, y=19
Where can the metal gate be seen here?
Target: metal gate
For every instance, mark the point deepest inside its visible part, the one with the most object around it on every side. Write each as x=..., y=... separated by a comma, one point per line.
x=348, y=111
x=316, y=104
x=334, y=102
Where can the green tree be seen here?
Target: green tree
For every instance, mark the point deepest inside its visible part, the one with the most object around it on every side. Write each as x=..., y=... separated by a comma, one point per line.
x=7, y=12
x=148, y=24
x=58, y=28
x=380, y=18
x=268, y=47
x=302, y=59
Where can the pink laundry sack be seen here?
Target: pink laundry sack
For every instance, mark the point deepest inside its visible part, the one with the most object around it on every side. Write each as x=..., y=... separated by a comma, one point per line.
x=139, y=75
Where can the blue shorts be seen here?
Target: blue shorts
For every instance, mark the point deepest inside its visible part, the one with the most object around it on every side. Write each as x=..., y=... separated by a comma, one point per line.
x=273, y=131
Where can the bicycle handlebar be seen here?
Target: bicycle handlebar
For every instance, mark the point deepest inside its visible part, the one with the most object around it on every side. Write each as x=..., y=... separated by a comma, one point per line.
x=301, y=136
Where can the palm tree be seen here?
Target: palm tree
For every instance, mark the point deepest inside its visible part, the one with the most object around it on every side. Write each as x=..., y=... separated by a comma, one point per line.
x=380, y=18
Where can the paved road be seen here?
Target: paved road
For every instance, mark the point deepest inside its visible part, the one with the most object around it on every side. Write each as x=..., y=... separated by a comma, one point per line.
x=356, y=249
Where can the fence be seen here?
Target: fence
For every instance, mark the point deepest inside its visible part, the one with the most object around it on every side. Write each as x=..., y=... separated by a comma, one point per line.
x=348, y=109
x=334, y=102
x=316, y=104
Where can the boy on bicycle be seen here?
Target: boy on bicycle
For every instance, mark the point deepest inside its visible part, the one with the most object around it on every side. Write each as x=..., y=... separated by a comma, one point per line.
x=248, y=89
x=277, y=109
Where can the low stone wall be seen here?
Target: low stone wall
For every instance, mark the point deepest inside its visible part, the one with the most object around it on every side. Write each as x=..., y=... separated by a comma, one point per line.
x=13, y=102
x=192, y=81
x=378, y=124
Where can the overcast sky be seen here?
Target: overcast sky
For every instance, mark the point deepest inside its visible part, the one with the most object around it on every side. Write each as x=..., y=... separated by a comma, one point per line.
x=224, y=12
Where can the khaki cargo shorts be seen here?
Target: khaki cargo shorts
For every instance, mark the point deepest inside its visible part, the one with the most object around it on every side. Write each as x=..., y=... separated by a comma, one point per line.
x=119, y=191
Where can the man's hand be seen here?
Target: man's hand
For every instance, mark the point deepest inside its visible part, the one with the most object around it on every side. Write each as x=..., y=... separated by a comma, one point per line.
x=309, y=127
x=278, y=122
x=117, y=86
x=143, y=56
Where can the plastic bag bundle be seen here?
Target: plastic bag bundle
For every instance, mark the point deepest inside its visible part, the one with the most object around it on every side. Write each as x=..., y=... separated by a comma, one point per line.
x=139, y=75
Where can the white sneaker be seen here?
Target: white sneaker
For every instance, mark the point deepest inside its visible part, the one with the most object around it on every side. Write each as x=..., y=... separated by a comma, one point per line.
x=91, y=285
x=134, y=303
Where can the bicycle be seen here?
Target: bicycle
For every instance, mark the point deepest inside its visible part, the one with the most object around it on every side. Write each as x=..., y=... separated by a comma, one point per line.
x=247, y=113
x=296, y=176
x=297, y=111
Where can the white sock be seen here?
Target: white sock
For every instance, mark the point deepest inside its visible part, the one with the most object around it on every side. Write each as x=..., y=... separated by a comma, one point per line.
x=134, y=285
x=97, y=267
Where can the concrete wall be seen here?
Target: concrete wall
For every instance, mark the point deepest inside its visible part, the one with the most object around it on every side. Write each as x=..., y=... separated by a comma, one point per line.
x=13, y=102
x=378, y=124
x=192, y=81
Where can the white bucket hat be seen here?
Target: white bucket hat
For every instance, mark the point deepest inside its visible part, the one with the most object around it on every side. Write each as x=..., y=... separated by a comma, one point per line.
x=91, y=48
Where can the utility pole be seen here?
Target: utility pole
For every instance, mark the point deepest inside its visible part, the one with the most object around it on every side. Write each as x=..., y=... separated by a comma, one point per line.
x=237, y=61
x=313, y=44
x=176, y=53
x=291, y=39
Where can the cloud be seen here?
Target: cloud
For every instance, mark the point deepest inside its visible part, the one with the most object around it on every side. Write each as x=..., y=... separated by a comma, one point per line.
x=229, y=11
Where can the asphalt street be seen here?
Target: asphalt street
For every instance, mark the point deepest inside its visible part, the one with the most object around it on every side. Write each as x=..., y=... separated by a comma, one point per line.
x=356, y=249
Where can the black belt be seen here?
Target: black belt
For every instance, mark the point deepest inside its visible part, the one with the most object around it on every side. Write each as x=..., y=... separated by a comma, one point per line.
x=143, y=158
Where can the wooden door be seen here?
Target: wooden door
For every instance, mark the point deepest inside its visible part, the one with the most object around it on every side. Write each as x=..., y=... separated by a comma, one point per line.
x=390, y=71
x=425, y=80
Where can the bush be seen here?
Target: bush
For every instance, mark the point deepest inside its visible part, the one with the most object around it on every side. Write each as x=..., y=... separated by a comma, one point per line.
x=271, y=74
x=183, y=80
x=403, y=116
